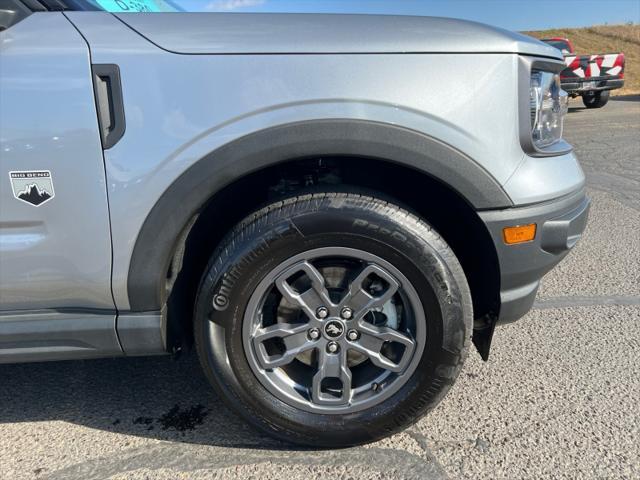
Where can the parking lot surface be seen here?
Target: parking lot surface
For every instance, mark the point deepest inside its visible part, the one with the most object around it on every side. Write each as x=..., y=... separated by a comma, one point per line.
x=558, y=397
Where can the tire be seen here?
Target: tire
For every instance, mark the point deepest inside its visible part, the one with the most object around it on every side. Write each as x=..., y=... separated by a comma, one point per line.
x=333, y=232
x=597, y=100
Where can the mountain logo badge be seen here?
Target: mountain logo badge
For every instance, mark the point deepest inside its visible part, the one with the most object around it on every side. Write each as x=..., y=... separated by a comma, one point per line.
x=34, y=187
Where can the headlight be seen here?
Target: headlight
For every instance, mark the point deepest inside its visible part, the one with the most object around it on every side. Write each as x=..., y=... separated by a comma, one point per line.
x=549, y=104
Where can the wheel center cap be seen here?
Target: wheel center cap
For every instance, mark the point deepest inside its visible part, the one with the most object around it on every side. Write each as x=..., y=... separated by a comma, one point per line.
x=334, y=329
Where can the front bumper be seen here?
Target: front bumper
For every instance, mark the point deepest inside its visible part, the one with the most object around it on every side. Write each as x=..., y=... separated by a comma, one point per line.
x=560, y=224
x=576, y=86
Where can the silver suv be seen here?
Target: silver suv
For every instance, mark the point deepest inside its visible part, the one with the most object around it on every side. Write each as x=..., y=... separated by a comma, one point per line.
x=330, y=208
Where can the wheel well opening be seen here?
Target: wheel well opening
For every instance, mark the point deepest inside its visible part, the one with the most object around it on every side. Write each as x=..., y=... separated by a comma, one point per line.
x=454, y=219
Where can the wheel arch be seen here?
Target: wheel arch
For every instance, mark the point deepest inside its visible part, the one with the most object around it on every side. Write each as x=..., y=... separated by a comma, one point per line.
x=168, y=224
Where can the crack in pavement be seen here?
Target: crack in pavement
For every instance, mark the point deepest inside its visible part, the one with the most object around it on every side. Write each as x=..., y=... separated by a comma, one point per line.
x=421, y=439
x=584, y=301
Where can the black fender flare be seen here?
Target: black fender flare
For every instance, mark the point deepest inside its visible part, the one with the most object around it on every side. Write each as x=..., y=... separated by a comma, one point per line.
x=167, y=219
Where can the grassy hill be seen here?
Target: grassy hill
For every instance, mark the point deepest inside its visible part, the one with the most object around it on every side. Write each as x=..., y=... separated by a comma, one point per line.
x=606, y=39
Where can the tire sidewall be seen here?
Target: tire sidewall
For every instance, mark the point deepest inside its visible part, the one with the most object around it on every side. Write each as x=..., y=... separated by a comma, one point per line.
x=597, y=100
x=405, y=242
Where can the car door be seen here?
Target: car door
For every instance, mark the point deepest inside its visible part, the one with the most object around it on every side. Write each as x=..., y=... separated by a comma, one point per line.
x=55, y=246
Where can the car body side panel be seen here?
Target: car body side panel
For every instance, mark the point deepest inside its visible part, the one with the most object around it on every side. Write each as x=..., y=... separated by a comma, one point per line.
x=56, y=255
x=37, y=336
x=181, y=108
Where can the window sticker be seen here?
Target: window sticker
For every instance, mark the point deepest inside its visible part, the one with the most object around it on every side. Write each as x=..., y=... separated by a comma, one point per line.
x=118, y=6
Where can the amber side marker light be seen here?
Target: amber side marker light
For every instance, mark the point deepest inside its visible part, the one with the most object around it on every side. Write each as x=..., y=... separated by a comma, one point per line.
x=519, y=234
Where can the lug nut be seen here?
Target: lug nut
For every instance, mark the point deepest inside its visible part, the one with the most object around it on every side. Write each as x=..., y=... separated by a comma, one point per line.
x=332, y=347
x=313, y=333
x=353, y=335
x=322, y=312
x=346, y=313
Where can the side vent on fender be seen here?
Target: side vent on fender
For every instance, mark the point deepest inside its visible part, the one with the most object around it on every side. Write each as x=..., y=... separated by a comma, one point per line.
x=108, y=93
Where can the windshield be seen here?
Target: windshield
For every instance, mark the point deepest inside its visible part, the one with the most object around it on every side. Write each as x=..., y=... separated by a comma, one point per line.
x=136, y=5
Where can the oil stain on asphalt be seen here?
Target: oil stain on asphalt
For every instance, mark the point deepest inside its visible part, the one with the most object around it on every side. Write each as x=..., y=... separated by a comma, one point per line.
x=183, y=420
x=180, y=420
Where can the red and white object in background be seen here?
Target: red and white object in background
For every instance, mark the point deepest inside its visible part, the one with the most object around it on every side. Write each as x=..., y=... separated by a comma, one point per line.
x=586, y=66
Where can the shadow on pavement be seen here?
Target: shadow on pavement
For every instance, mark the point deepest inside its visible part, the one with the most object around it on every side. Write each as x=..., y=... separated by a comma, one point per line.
x=162, y=399
x=578, y=107
x=626, y=98
x=151, y=397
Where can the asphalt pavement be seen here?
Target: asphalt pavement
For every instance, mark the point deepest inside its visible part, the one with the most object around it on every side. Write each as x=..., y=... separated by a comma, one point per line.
x=558, y=397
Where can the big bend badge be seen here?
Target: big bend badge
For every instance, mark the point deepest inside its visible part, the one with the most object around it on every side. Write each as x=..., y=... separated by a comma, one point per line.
x=34, y=187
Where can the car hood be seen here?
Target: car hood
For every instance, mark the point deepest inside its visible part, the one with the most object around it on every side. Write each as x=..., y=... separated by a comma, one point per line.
x=265, y=33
